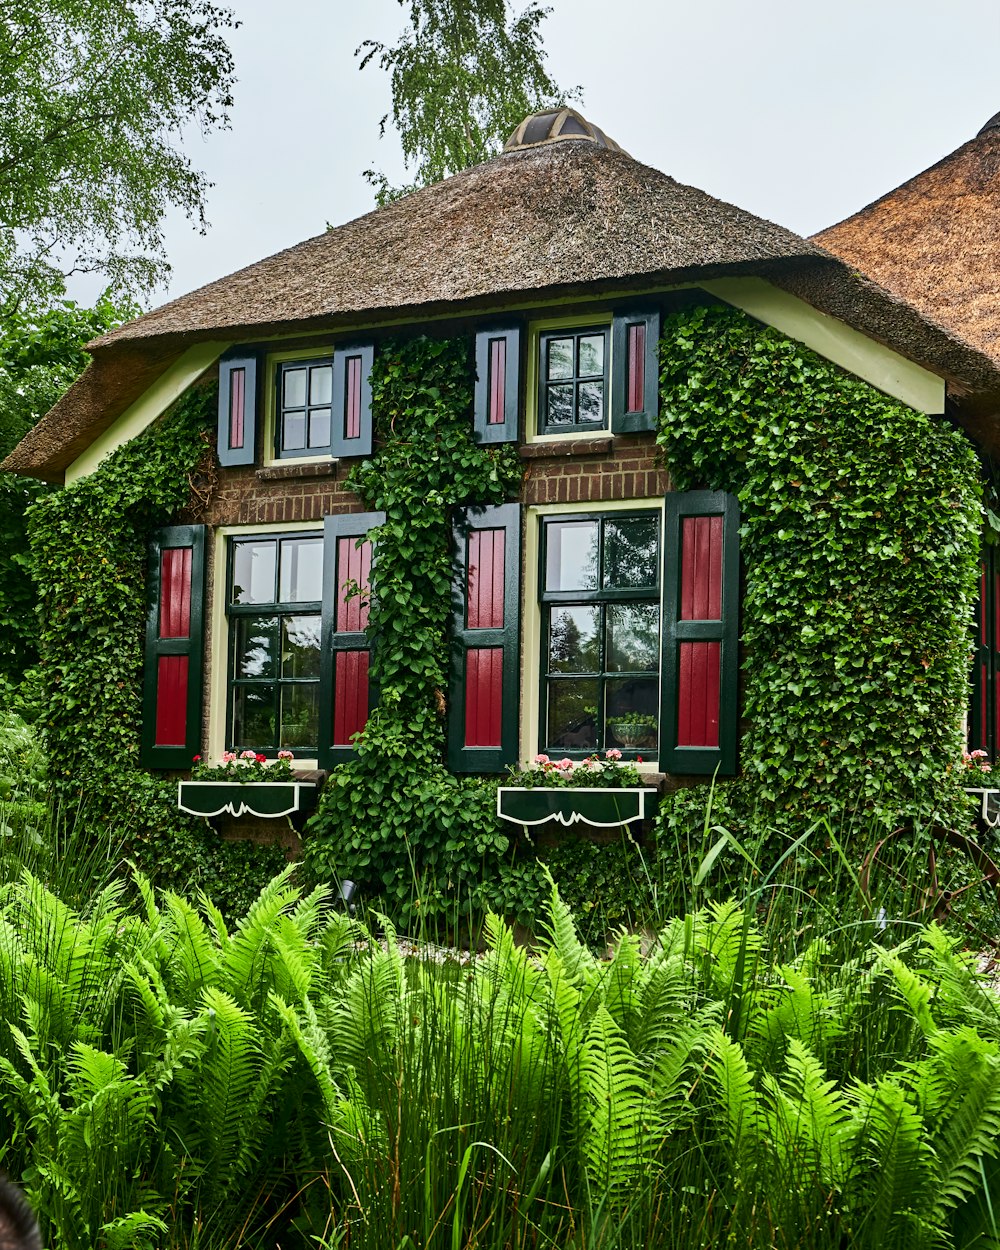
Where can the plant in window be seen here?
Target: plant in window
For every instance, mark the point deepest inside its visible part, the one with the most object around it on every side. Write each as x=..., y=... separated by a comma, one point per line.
x=635, y=730
x=611, y=770
x=245, y=767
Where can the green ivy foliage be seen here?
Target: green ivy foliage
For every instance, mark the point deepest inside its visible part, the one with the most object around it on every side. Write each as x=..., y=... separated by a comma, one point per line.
x=860, y=534
x=89, y=548
x=394, y=817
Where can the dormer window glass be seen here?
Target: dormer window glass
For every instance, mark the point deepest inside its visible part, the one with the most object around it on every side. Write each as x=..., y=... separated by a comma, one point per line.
x=305, y=399
x=573, y=380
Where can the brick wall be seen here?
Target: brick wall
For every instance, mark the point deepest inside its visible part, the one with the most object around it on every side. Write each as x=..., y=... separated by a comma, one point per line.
x=594, y=470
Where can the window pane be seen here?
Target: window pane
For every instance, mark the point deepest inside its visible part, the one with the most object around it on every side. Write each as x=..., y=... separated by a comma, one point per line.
x=633, y=644
x=301, y=570
x=590, y=402
x=319, y=427
x=574, y=640
x=321, y=384
x=253, y=572
x=559, y=405
x=256, y=646
x=300, y=717
x=632, y=553
x=294, y=388
x=560, y=358
x=632, y=712
x=253, y=717
x=591, y=356
x=572, y=721
x=293, y=431
x=300, y=646
x=571, y=555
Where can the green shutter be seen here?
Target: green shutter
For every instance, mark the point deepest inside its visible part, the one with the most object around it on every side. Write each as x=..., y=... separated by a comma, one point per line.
x=483, y=701
x=174, y=661
x=346, y=694
x=498, y=367
x=985, y=680
x=634, y=364
x=351, y=428
x=237, y=438
x=700, y=670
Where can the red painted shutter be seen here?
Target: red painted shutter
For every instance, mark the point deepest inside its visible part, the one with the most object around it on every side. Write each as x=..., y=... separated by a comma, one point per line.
x=700, y=633
x=495, y=407
x=483, y=702
x=351, y=433
x=237, y=425
x=174, y=663
x=634, y=382
x=345, y=693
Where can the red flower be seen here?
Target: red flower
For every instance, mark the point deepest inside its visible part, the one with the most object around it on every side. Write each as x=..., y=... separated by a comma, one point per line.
x=261, y=759
x=638, y=759
x=196, y=759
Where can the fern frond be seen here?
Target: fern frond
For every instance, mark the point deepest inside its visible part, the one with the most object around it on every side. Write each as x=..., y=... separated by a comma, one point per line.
x=732, y=1080
x=807, y=1119
x=915, y=991
x=612, y=1118
x=578, y=963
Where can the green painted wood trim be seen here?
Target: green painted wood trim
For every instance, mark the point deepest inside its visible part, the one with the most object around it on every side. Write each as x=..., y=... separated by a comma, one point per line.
x=507, y=430
x=151, y=755
x=229, y=456
x=700, y=761
x=986, y=658
x=595, y=806
x=267, y=799
x=339, y=445
x=350, y=525
x=463, y=759
x=623, y=422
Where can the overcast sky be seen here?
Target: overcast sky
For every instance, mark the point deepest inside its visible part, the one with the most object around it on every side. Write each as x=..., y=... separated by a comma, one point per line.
x=799, y=112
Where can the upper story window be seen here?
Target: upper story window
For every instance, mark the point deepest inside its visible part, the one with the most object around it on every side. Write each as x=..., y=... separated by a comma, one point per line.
x=304, y=407
x=573, y=380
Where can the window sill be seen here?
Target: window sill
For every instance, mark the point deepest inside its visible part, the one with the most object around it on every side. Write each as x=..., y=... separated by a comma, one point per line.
x=266, y=799
x=595, y=806
x=291, y=471
x=596, y=445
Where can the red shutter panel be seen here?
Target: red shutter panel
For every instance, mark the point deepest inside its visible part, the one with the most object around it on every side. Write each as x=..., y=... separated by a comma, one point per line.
x=345, y=693
x=237, y=425
x=174, y=663
x=634, y=363
x=483, y=702
x=351, y=433
x=496, y=408
x=700, y=633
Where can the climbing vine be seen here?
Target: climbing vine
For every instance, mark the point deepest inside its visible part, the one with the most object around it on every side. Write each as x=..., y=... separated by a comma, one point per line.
x=89, y=550
x=860, y=534
x=395, y=817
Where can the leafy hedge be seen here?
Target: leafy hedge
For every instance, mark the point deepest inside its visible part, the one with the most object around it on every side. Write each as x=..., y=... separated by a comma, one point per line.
x=860, y=534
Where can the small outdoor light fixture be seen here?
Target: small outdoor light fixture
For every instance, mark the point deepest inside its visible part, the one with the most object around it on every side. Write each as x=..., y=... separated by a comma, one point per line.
x=347, y=891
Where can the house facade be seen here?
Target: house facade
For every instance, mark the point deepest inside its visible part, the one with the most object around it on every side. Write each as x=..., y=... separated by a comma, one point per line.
x=600, y=608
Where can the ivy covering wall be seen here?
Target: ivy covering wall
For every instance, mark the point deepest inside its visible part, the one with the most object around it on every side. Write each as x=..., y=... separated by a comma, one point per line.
x=88, y=547
x=860, y=535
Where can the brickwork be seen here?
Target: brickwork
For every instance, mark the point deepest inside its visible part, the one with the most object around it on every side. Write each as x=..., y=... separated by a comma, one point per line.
x=246, y=496
x=579, y=472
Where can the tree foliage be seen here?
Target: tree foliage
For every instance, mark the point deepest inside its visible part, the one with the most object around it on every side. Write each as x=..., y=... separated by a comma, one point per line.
x=93, y=101
x=463, y=74
x=41, y=354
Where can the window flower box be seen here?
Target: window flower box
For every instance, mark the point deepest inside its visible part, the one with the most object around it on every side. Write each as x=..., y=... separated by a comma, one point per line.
x=988, y=798
x=266, y=799
x=599, y=807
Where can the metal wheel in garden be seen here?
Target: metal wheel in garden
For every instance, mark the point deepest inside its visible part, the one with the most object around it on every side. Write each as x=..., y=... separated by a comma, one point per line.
x=957, y=883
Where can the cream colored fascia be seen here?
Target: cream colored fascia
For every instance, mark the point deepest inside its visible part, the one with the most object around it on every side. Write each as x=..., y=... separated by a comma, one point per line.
x=150, y=405
x=531, y=610
x=536, y=328
x=876, y=364
x=269, y=459
x=216, y=682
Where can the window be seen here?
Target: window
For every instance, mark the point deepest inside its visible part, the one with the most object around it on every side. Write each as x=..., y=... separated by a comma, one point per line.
x=573, y=375
x=305, y=404
x=274, y=606
x=984, y=711
x=600, y=599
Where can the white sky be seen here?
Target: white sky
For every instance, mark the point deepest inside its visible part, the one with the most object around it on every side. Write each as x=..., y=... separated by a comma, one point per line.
x=798, y=112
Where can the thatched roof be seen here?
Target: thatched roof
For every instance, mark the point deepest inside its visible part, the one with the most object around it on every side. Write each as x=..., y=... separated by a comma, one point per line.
x=558, y=213
x=935, y=241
